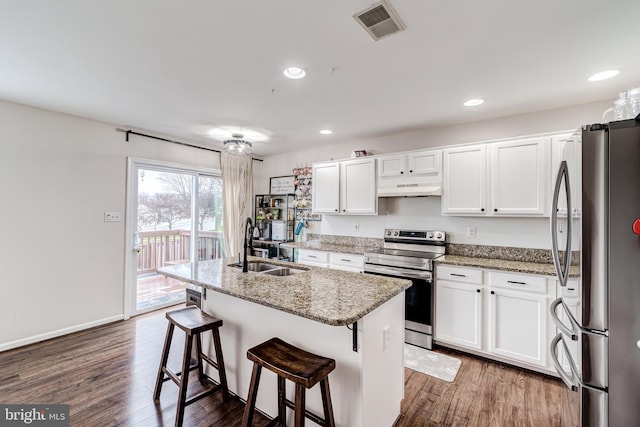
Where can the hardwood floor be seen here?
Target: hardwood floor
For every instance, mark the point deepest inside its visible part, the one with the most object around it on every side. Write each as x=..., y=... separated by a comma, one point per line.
x=107, y=375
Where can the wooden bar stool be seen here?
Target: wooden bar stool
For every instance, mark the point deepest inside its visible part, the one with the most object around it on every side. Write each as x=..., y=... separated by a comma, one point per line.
x=193, y=322
x=303, y=368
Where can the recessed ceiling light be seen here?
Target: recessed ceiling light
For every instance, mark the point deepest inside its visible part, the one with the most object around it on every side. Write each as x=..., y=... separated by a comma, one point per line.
x=294, y=73
x=473, y=102
x=326, y=131
x=604, y=75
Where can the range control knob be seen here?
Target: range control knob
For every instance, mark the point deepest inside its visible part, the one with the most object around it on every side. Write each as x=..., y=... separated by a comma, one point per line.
x=438, y=236
x=395, y=233
x=430, y=235
x=388, y=232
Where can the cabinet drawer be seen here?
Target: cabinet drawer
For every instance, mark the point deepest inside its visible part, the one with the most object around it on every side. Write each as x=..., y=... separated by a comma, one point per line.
x=518, y=281
x=346, y=260
x=459, y=274
x=313, y=256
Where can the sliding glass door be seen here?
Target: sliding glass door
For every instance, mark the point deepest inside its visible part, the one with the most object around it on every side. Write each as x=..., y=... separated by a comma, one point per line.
x=178, y=220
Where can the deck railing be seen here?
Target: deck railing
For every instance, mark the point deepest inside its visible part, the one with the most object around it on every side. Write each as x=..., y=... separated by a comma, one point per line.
x=160, y=248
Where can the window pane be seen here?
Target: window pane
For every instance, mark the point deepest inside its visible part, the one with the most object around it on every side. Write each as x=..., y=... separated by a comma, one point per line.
x=209, y=217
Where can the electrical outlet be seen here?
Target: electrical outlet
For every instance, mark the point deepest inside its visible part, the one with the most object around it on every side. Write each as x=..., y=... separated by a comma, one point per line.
x=357, y=228
x=471, y=232
x=112, y=217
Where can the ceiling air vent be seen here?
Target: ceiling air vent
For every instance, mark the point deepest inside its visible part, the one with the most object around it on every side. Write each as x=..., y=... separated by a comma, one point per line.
x=380, y=20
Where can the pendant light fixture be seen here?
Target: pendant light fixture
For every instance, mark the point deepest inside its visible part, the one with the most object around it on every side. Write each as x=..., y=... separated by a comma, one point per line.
x=237, y=145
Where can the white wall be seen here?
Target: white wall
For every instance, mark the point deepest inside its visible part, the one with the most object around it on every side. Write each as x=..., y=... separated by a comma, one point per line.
x=62, y=265
x=424, y=213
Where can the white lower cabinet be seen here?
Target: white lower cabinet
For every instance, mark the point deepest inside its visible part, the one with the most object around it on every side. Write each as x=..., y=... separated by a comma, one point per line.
x=518, y=326
x=313, y=257
x=459, y=313
x=496, y=314
x=346, y=262
x=334, y=260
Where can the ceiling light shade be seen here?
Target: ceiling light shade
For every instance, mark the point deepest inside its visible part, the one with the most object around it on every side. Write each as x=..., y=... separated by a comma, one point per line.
x=604, y=75
x=294, y=73
x=473, y=102
x=237, y=145
x=326, y=131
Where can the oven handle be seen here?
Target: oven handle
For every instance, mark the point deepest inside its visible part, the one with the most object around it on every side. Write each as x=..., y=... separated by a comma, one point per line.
x=401, y=273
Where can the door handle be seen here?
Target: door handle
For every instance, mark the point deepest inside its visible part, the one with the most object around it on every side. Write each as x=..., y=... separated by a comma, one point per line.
x=563, y=273
x=568, y=378
x=570, y=332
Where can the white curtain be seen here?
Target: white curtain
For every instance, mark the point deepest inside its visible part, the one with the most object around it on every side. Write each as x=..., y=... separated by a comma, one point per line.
x=237, y=199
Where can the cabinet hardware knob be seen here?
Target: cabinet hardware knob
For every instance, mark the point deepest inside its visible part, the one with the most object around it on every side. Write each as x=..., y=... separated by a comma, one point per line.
x=481, y=209
x=495, y=210
x=478, y=290
x=344, y=210
x=336, y=210
x=410, y=170
x=401, y=172
x=493, y=293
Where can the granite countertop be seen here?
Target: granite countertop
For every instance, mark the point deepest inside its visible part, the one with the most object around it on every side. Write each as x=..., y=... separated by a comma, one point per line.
x=505, y=265
x=330, y=247
x=328, y=296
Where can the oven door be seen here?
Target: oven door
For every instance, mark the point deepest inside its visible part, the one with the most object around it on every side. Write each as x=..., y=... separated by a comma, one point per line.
x=418, y=302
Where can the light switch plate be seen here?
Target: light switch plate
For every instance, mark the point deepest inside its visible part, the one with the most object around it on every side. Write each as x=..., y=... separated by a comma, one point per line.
x=112, y=217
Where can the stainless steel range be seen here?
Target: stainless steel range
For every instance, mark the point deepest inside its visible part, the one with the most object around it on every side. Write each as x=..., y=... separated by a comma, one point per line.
x=409, y=255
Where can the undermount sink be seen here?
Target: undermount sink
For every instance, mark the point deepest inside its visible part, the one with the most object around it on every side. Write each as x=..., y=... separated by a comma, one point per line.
x=272, y=269
x=284, y=271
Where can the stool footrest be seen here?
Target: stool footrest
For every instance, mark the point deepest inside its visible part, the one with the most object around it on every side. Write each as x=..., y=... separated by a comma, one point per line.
x=313, y=417
x=209, y=360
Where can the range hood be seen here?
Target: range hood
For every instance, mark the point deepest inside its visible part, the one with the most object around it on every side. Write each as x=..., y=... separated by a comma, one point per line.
x=410, y=190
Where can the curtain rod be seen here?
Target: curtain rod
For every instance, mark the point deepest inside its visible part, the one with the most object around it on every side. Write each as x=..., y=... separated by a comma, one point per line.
x=128, y=132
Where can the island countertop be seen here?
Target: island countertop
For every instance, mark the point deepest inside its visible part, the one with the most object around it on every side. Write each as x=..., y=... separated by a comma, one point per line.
x=328, y=296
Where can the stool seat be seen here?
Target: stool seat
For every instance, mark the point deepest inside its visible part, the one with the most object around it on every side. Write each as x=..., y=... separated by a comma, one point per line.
x=303, y=368
x=291, y=362
x=193, y=322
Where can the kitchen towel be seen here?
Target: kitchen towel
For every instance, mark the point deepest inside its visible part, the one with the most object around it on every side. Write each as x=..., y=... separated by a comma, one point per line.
x=431, y=363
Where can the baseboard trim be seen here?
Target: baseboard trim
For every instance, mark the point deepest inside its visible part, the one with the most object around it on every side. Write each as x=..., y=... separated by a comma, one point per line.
x=58, y=333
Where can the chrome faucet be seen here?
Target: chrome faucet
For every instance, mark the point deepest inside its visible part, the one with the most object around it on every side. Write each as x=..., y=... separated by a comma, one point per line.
x=248, y=242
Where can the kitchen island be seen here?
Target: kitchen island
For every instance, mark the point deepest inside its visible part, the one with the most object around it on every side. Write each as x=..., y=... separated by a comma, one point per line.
x=316, y=310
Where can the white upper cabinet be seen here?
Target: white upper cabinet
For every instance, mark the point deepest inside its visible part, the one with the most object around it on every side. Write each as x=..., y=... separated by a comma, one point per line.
x=325, y=191
x=424, y=162
x=358, y=187
x=394, y=165
x=568, y=148
x=346, y=187
x=464, y=185
x=416, y=173
x=519, y=177
x=503, y=179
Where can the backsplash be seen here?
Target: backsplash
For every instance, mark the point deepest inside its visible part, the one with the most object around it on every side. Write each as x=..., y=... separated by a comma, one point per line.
x=507, y=253
x=369, y=242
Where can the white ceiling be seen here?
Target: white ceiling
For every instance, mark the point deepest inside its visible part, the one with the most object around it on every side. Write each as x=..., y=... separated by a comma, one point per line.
x=178, y=67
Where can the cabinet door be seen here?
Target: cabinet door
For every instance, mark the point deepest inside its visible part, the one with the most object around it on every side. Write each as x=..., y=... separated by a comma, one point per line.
x=392, y=165
x=459, y=314
x=425, y=162
x=326, y=187
x=518, y=326
x=519, y=177
x=358, y=193
x=464, y=189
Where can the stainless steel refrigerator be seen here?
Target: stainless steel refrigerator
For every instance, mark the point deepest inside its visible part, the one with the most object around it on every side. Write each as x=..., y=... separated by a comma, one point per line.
x=597, y=202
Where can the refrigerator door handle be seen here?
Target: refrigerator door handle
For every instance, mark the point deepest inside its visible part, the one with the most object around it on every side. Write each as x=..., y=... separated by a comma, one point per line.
x=570, y=379
x=562, y=271
x=570, y=332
